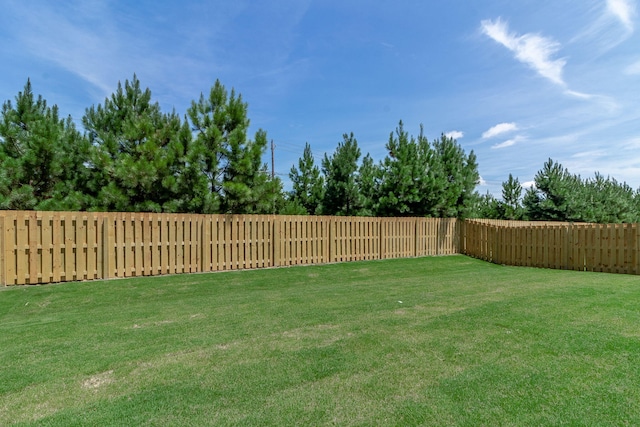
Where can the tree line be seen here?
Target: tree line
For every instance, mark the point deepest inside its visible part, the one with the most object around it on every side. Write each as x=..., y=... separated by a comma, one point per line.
x=416, y=178
x=559, y=195
x=132, y=156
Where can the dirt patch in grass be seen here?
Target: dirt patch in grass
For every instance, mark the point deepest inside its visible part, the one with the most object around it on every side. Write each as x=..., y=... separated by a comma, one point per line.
x=94, y=382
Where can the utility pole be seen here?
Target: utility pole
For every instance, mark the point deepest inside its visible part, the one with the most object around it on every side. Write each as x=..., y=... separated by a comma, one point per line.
x=273, y=175
x=273, y=164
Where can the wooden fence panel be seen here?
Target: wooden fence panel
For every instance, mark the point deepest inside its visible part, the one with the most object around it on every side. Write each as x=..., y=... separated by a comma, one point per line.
x=583, y=247
x=46, y=247
x=354, y=238
x=444, y=236
x=43, y=247
x=398, y=238
x=9, y=243
x=296, y=239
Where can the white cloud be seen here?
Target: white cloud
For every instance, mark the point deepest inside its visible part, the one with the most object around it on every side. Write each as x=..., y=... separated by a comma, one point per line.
x=455, y=134
x=623, y=10
x=532, y=49
x=528, y=184
x=591, y=154
x=613, y=24
x=578, y=94
x=633, y=68
x=631, y=144
x=507, y=143
x=499, y=129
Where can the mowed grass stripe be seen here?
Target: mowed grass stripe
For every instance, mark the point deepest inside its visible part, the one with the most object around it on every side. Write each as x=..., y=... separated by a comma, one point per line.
x=427, y=341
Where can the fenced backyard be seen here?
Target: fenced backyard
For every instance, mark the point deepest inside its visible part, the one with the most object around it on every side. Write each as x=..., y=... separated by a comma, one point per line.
x=422, y=341
x=446, y=341
x=48, y=247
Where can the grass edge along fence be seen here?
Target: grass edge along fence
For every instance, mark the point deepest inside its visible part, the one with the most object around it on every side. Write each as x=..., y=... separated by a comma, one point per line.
x=38, y=247
x=611, y=248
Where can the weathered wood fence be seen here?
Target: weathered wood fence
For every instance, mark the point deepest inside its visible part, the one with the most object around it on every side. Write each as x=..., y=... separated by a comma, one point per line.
x=46, y=247
x=611, y=248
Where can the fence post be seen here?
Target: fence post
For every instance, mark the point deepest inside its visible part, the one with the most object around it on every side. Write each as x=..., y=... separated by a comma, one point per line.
x=494, y=246
x=275, y=241
x=635, y=248
x=3, y=272
x=332, y=242
x=462, y=243
x=567, y=245
x=415, y=237
x=382, y=240
x=107, y=246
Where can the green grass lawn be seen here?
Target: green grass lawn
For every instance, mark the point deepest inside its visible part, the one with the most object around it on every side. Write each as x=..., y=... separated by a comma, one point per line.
x=428, y=341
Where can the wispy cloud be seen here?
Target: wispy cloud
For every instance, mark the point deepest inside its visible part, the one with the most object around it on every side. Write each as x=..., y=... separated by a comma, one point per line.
x=91, y=42
x=633, y=68
x=499, y=129
x=631, y=144
x=613, y=25
x=455, y=134
x=532, y=49
x=578, y=94
x=624, y=11
x=102, y=45
x=590, y=154
x=507, y=143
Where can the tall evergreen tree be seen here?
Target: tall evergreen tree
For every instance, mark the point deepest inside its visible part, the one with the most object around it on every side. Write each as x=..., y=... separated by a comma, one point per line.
x=410, y=183
x=488, y=207
x=191, y=183
x=459, y=175
x=368, y=181
x=41, y=156
x=136, y=151
x=307, y=182
x=511, y=195
x=608, y=201
x=556, y=195
x=237, y=179
x=559, y=195
x=342, y=196
x=423, y=179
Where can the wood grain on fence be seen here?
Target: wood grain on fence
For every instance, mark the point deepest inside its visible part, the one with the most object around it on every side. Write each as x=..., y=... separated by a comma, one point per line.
x=611, y=248
x=45, y=247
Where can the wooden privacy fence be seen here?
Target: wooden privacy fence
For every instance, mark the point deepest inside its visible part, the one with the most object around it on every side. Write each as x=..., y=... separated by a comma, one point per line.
x=46, y=247
x=611, y=248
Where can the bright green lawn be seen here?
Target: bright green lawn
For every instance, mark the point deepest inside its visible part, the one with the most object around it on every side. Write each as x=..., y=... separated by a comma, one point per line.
x=430, y=341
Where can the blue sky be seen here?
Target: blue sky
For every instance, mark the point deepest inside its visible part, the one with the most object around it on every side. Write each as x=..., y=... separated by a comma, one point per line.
x=515, y=81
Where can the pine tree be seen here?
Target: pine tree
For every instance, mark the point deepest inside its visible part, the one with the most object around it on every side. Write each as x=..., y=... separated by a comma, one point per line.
x=408, y=185
x=459, y=176
x=368, y=181
x=425, y=179
x=511, y=194
x=137, y=152
x=342, y=196
x=557, y=195
x=307, y=182
x=486, y=206
x=41, y=156
x=237, y=178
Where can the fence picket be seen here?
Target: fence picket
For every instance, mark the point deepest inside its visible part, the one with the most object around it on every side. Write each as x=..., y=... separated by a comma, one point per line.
x=44, y=247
